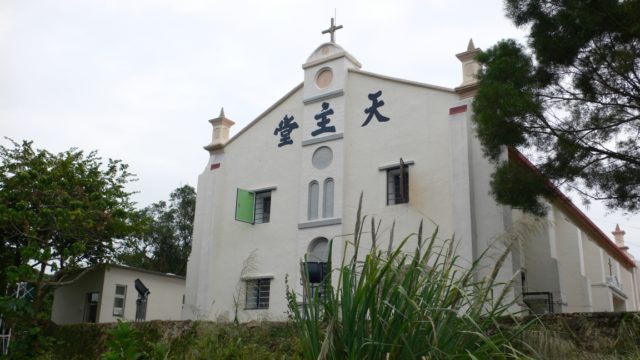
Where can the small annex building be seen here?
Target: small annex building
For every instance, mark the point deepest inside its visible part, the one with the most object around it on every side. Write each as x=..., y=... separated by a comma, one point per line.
x=289, y=182
x=109, y=292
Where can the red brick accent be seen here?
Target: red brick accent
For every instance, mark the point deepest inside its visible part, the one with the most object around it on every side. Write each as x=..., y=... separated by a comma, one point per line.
x=457, y=109
x=215, y=166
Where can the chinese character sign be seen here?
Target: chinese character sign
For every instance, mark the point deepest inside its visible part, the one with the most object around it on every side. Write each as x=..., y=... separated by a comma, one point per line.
x=323, y=120
x=285, y=127
x=373, y=109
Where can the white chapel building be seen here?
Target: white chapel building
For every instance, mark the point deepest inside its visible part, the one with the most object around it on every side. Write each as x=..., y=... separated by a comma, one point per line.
x=289, y=182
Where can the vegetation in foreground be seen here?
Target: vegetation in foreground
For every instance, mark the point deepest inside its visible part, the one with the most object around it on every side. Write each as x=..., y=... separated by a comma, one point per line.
x=386, y=304
x=579, y=337
x=401, y=303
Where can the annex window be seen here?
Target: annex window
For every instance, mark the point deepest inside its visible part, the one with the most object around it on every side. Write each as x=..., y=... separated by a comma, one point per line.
x=327, y=199
x=257, y=294
x=312, y=203
x=398, y=184
x=119, y=300
x=253, y=207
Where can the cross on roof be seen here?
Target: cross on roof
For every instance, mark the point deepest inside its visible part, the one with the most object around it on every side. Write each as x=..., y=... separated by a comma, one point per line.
x=332, y=29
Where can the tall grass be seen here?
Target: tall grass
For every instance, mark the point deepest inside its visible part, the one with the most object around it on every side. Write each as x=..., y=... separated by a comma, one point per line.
x=390, y=304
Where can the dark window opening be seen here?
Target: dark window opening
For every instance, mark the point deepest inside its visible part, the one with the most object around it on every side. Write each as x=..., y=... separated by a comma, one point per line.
x=257, y=294
x=263, y=207
x=398, y=185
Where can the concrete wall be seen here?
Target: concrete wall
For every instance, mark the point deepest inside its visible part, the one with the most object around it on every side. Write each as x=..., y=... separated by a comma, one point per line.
x=226, y=250
x=540, y=256
x=418, y=132
x=448, y=189
x=574, y=284
x=69, y=301
x=164, y=302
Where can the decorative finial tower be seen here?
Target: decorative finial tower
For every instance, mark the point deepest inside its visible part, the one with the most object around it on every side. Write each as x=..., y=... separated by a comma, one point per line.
x=220, y=136
x=618, y=235
x=470, y=68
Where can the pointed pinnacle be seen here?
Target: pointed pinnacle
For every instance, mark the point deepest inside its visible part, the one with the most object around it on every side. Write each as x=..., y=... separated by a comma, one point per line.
x=617, y=228
x=221, y=112
x=471, y=46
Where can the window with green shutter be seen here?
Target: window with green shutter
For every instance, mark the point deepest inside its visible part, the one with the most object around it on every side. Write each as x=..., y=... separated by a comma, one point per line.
x=245, y=205
x=253, y=207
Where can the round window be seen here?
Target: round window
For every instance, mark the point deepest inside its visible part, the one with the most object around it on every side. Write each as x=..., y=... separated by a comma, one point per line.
x=322, y=157
x=324, y=78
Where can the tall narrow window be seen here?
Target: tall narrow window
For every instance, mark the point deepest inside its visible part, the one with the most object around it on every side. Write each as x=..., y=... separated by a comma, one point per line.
x=317, y=267
x=314, y=193
x=327, y=199
x=262, y=207
x=398, y=185
x=119, y=300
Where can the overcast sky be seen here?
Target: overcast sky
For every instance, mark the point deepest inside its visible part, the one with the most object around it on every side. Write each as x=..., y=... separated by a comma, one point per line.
x=138, y=80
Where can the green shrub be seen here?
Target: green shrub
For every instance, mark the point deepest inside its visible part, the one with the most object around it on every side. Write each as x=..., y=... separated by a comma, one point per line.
x=390, y=305
x=122, y=343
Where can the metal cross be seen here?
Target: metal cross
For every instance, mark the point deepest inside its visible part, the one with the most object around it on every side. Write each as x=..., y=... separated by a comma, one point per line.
x=332, y=29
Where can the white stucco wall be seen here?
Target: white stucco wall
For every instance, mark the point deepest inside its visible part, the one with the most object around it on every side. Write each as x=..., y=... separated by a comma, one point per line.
x=419, y=131
x=164, y=301
x=69, y=301
x=626, y=279
x=448, y=189
x=574, y=284
x=225, y=249
x=540, y=260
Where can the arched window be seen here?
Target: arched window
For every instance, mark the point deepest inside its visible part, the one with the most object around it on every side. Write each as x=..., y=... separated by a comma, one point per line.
x=327, y=200
x=314, y=193
x=317, y=264
x=318, y=250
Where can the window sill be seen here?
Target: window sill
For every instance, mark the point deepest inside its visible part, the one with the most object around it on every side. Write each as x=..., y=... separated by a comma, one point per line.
x=319, y=223
x=258, y=277
x=398, y=204
x=395, y=165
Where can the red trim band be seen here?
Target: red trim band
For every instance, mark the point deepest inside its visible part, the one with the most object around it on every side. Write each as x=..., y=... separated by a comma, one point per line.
x=457, y=109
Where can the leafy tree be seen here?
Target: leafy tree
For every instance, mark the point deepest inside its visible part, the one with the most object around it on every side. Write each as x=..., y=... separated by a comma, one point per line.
x=58, y=212
x=165, y=243
x=572, y=100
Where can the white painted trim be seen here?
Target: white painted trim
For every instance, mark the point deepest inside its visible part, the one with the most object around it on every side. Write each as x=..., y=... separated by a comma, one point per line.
x=322, y=139
x=580, y=252
x=263, y=189
x=590, y=294
x=602, y=266
x=395, y=165
x=337, y=55
x=318, y=223
x=258, y=277
x=553, y=246
x=329, y=95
